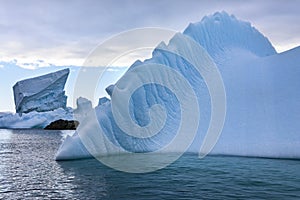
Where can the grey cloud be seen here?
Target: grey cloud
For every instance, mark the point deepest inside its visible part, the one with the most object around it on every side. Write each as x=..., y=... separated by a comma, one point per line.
x=80, y=25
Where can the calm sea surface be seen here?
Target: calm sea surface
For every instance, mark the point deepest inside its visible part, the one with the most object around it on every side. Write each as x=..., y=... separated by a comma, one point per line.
x=28, y=171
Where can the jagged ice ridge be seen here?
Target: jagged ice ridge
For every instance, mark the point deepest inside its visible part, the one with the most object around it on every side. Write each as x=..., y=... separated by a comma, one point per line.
x=262, y=90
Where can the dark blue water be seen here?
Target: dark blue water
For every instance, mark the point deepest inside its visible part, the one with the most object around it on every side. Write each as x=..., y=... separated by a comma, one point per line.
x=28, y=171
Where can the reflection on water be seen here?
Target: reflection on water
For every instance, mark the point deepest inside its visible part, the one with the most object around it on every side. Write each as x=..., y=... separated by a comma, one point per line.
x=88, y=177
x=139, y=162
x=4, y=141
x=28, y=170
x=5, y=135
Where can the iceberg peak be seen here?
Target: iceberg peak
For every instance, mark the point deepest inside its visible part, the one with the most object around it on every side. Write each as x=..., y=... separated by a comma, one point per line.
x=220, y=32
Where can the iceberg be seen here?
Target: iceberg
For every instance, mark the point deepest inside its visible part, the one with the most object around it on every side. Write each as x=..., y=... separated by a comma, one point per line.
x=262, y=97
x=39, y=101
x=41, y=94
x=84, y=106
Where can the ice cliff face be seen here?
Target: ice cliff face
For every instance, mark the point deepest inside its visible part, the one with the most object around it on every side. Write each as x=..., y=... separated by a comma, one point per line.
x=262, y=90
x=40, y=94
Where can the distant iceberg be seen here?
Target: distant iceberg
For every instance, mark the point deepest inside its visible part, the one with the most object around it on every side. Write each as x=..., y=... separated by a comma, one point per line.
x=43, y=93
x=39, y=101
x=262, y=94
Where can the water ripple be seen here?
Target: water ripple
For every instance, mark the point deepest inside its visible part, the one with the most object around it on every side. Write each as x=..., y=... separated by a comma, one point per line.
x=28, y=171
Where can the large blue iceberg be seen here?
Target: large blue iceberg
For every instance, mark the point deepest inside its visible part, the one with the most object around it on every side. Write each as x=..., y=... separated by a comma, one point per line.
x=262, y=97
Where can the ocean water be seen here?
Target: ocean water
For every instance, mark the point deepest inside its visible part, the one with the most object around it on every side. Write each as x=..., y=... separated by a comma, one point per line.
x=28, y=171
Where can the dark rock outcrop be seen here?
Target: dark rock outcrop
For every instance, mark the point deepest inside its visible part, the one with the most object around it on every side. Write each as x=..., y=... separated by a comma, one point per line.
x=63, y=125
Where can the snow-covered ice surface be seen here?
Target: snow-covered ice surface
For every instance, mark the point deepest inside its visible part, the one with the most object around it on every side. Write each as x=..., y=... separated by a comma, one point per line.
x=262, y=94
x=263, y=105
x=43, y=93
x=34, y=119
x=220, y=32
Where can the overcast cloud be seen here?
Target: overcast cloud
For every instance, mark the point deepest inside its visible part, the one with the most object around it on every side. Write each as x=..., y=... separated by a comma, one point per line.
x=64, y=32
x=35, y=34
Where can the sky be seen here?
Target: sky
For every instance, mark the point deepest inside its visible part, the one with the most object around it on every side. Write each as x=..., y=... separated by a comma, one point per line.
x=40, y=36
